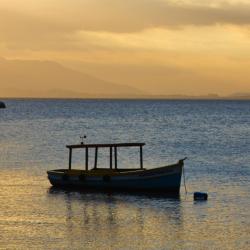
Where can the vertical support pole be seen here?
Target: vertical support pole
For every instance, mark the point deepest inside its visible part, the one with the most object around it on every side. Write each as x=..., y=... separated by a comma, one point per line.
x=70, y=157
x=87, y=158
x=115, y=157
x=96, y=155
x=141, y=157
x=110, y=157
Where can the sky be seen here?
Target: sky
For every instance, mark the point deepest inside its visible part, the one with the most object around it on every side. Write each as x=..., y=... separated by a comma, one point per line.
x=193, y=47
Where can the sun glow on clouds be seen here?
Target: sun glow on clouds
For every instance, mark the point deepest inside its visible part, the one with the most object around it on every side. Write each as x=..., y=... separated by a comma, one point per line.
x=218, y=39
x=141, y=24
x=199, y=35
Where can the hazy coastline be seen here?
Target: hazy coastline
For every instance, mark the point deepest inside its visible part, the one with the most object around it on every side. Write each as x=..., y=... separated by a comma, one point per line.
x=139, y=97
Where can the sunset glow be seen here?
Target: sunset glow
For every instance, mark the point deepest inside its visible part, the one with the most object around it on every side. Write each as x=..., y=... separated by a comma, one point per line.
x=156, y=47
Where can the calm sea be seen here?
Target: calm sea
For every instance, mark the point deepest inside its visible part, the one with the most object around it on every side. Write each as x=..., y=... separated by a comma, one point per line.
x=214, y=135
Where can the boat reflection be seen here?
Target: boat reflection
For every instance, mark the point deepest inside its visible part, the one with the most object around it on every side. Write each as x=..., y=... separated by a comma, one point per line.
x=118, y=219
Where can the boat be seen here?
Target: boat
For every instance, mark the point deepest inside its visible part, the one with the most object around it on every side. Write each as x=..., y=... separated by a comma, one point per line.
x=159, y=179
x=2, y=105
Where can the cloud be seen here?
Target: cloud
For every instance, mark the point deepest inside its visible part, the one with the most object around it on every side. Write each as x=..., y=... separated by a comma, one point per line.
x=22, y=30
x=115, y=24
x=130, y=15
x=106, y=24
x=136, y=15
x=172, y=42
x=223, y=40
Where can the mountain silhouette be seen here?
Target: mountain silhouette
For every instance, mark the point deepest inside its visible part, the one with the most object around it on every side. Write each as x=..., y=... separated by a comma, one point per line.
x=32, y=78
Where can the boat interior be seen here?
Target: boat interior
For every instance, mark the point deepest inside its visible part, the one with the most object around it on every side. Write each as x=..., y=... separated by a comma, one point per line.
x=95, y=171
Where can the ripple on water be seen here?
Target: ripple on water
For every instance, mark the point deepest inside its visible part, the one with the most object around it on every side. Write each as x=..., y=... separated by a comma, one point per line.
x=214, y=135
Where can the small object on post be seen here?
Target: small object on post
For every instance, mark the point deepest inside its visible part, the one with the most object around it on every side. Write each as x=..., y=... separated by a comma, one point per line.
x=82, y=139
x=199, y=196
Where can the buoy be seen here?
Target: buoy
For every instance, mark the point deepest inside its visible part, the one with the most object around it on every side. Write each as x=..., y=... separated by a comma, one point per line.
x=2, y=105
x=199, y=196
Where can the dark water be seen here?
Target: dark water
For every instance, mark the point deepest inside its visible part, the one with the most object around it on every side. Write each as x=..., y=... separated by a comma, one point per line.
x=214, y=135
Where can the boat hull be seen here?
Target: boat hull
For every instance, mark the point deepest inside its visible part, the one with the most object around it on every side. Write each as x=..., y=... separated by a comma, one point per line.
x=163, y=179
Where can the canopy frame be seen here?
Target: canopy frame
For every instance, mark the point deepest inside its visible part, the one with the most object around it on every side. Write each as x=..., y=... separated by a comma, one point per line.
x=112, y=150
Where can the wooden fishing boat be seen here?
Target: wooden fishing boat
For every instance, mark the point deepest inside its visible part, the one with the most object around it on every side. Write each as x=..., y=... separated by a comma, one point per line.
x=161, y=179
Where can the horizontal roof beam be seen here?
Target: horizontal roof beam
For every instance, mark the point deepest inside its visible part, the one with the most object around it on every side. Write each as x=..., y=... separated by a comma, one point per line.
x=106, y=145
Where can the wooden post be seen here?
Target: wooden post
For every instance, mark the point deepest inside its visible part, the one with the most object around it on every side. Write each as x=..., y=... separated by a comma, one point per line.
x=96, y=152
x=87, y=158
x=141, y=157
x=115, y=157
x=110, y=157
x=70, y=158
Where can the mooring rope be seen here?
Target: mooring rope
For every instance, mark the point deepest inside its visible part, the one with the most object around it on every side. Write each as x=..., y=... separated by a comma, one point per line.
x=184, y=179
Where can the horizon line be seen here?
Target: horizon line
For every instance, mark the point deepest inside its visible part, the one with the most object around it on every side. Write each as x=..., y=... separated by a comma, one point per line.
x=180, y=98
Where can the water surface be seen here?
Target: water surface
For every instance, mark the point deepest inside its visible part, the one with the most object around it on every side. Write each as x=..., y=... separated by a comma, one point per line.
x=214, y=135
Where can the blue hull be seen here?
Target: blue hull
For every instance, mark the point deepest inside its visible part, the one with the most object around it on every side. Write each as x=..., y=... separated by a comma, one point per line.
x=164, y=179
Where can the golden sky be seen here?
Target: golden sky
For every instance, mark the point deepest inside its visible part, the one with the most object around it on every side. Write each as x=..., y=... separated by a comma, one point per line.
x=158, y=46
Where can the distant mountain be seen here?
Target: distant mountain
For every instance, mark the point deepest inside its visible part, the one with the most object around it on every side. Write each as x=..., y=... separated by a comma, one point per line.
x=198, y=97
x=240, y=96
x=25, y=78
x=47, y=79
